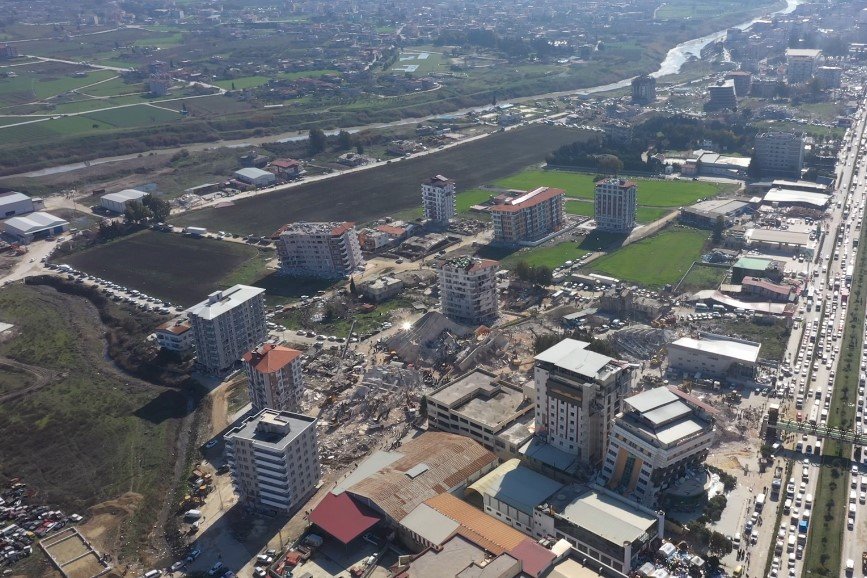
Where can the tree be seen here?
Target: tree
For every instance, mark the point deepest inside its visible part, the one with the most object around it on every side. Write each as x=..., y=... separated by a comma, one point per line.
x=719, y=227
x=359, y=148
x=344, y=140
x=160, y=208
x=720, y=544
x=233, y=86
x=136, y=212
x=353, y=290
x=316, y=141
x=610, y=164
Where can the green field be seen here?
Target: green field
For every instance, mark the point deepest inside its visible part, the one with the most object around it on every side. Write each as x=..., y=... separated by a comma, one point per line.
x=44, y=83
x=584, y=208
x=643, y=215
x=165, y=263
x=130, y=116
x=92, y=433
x=467, y=199
x=691, y=10
x=427, y=65
x=242, y=82
x=655, y=261
x=548, y=256
x=702, y=277
x=651, y=192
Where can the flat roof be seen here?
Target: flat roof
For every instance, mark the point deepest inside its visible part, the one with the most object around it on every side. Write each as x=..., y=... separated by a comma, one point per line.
x=678, y=430
x=125, y=195
x=753, y=263
x=747, y=351
x=479, y=397
x=34, y=222
x=774, y=236
x=793, y=196
x=572, y=355
x=667, y=412
x=650, y=399
x=220, y=302
x=431, y=525
x=718, y=206
x=516, y=485
x=287, y=427
x=614, y=519
x=803, y=52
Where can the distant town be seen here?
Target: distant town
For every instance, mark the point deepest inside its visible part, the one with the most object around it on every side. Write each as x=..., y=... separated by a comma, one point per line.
x=323, y=290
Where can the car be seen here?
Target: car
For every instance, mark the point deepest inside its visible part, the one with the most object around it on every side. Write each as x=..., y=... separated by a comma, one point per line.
x=259, y=572
x=216, y=569
x=264, y=560
x=212, y=443
x=194, y=553
x=177, y=565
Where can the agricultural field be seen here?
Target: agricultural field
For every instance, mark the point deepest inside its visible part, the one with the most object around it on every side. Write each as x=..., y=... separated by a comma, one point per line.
x=658, y=260
x=702, y=277
x=690, y=10
x=367, y=195
x=90, y=433
x=467, y=199
x=165, y=263
x=651, y=192
x=419, y=61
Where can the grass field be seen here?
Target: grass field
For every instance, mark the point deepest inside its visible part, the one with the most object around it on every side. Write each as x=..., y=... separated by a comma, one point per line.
x=180, y=269
x=772, y=337
x=472, y=197
x=579, y=208
x=702, y=277
x=95, y=433
x=651, y=192
x=552, y=257
x=44, y=82
x=426, y=65
x=655, y=261
x=385, y=190
x=689, y=9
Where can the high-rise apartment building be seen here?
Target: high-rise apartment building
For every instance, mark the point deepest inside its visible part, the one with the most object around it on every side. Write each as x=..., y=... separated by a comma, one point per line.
x=468, y=289
x=438, y=199
x=227, y=324
x=722, y=96
x=530, y=216
x=656, y=440
x=779, y=154
x=274, y=377
x=274, y=460
x=614, y=205
x=578, y=393
x=801, y=64
x=329, y=250
x=643, y=89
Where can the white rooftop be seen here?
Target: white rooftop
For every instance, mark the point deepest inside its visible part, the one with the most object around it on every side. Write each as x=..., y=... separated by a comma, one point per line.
x=430, y=524
x=678, y=430
x=13, y=197
x=719, y=345
x=220, y=302
x=125, y=195
x=252, y=173
x=651, y=399
x=793, y=196
x=615, y=520
x=34, y=222
x=572, y=355
x=517, y=486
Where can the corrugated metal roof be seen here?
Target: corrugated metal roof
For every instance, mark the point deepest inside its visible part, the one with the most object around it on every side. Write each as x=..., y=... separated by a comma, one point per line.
x=451, y=459
x=520, y=487
x=486, y=531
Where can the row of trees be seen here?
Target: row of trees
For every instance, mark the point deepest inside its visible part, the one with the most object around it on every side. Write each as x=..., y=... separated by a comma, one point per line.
x=318, y=141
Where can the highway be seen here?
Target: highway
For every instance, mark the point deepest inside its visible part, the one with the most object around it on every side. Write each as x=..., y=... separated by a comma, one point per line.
x=810, y=365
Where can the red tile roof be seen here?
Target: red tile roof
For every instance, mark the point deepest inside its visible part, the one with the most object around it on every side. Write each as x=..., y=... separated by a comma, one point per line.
x=767, y=285
x=271, y=358
x=539, y=195
x=534, y=558
x=342, y=518
x=341, y=228
x=391, y=230
x=174, y=327
x=483, y=264
x=285, y=163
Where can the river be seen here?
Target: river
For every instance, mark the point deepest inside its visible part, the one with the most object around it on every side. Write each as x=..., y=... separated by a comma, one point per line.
x=671, y=64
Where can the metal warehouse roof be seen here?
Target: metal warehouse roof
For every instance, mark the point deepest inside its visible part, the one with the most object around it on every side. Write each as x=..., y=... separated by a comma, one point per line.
x=252, y=173
x=34, y=222
x=572, y=355
x=650, y=399
x=791, y=196
x=613, y=519
x=10, y=198
x=125, y=195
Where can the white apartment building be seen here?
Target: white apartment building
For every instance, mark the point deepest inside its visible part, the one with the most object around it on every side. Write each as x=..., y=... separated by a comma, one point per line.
x=329, y=250
x=801, y=64
x=468, y=290
x=438, y=199
x=274, y=377
x=657, y=439
x=578, y=393
x=779, y=154
x=530, y=216
x=227, y=324
x=274, y=460
x=614, y=205
x=175, y=335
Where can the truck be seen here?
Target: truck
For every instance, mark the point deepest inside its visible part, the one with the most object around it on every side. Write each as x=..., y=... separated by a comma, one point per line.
x=195, y=231
x=760, y=502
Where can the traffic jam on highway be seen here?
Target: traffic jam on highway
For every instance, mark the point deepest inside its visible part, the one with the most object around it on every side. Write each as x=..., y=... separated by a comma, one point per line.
x=805, y=383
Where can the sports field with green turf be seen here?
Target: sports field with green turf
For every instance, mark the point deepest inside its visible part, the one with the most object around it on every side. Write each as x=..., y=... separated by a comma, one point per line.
x=655, y=261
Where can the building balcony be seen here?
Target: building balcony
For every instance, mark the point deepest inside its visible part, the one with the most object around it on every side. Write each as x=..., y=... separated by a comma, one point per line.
x=284, y=498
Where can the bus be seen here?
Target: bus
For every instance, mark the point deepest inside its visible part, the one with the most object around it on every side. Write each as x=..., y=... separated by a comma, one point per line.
x=850, y=270
x=814, y=415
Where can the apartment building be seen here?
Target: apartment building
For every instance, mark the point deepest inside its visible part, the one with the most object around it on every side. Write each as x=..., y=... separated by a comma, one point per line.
x=328, y=250
x=779, y=154
x=801, y=64
x=656, y=440
x=175, y=335
x=468, y=289
x=722, y=96
x=274, y=460
x=530, y=216
x=614, y=204
x=643, y=89
x=578, y=393
x=274, y=377
x=227, y=324
x=438, y=199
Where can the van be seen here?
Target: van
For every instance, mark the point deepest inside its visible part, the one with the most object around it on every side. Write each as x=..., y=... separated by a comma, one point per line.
x=787, y=507
x=736, y=541
x=153, y=574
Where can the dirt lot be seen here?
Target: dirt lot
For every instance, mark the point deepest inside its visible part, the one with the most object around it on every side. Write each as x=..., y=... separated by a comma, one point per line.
x=367, y=195
x=165, y=263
